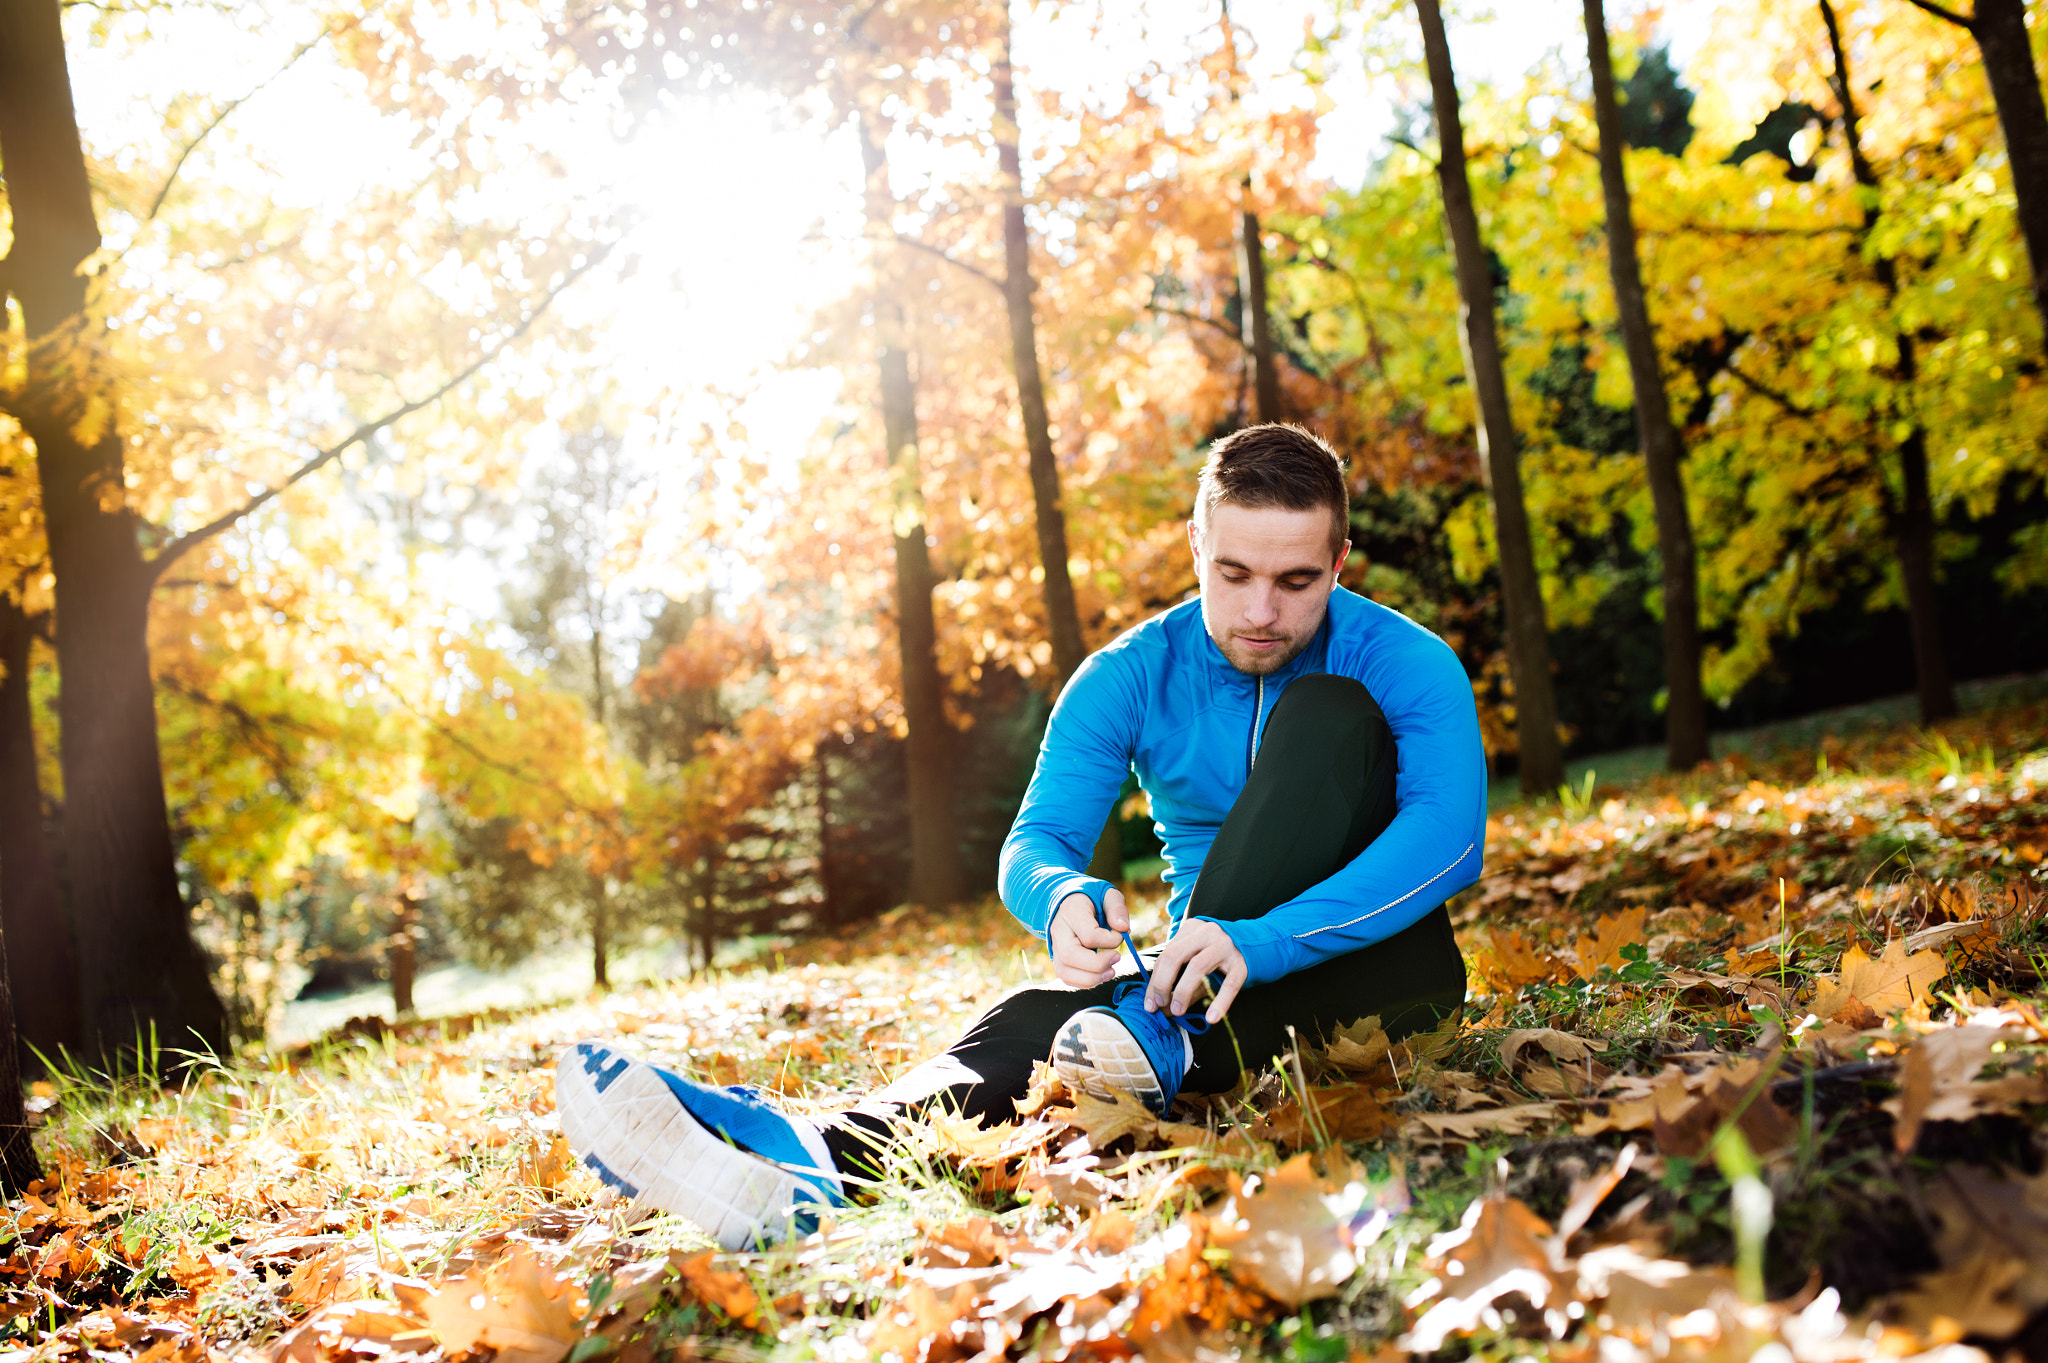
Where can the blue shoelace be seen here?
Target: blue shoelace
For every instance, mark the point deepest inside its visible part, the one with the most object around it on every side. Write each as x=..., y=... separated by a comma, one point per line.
x=1194, y=1024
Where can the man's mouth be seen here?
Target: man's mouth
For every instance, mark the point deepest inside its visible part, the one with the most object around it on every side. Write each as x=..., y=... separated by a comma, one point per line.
x=1258, y=642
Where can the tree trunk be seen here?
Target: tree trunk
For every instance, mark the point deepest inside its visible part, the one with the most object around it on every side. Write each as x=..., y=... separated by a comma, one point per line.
x=144, y=980
x=937, y=877
x=1063, y=617
x=404, y=958
x=1258, y=324
x=1912, y=522
x=1541, y=757
x=828, y=906
x=18, y=1167
x=1062, y=614
x=1685, y=710
x=600, y=933
x=45, y=991
x=2000, y=29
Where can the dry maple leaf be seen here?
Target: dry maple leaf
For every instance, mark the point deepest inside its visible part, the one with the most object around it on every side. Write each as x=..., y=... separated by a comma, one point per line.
x=518, y=1306
x=1892, y=982
x=1500, y=1247
x=1344, y=1112
x=1938, y=1080
x=729, y=1292
x=1600, y=949
x=920, y=1319
x=1285, y=1236
x=1505, y=1121
x=1505, y=961
x=1975, y=1297
x=1122, y=1115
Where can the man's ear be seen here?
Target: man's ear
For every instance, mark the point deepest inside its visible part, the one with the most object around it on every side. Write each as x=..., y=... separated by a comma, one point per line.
x=1342, y=554
x=1195, y=543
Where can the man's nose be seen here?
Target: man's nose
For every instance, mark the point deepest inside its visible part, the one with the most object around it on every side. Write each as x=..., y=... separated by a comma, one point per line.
x=1263, y=608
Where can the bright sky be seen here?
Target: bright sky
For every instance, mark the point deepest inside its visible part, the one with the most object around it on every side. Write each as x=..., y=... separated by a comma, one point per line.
x=746, y=221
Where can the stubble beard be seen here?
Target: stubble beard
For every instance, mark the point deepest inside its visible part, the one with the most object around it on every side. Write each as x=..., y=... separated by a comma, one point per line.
x=1257, y=664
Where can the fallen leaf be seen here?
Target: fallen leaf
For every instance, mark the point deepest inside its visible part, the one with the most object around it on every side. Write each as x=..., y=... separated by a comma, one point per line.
x=1892, y=982
x=1284, y=1236
x=1505, y=1121
x=1123, y=1115
x=728, y=1291
x=1345, y=1112
x=1974, y=1297
x=920, y=1318
x=1600, y=949
x=1938, y=1080
x=1506, y=961
x=517, y=1306
x=1500, y=1247
x=547, y=1169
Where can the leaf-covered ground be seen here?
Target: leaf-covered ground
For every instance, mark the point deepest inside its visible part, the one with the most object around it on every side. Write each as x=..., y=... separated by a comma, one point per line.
x=1753, y=1059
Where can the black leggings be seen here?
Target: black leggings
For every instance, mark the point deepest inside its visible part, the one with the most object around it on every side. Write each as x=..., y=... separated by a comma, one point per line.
x=1322, y=788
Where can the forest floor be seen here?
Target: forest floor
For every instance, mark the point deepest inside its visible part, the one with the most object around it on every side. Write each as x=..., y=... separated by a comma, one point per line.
x=1755, y=1059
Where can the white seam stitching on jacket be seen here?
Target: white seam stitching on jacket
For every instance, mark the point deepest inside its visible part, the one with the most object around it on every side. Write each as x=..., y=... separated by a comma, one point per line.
x=1332, y=927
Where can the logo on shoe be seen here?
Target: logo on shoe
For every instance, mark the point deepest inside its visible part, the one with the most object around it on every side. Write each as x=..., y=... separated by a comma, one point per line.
x=1071, y=1048
x=594, y=1058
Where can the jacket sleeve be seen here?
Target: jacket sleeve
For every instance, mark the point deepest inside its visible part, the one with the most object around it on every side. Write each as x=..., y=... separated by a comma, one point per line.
x=1081, y=766
x=1429, y=852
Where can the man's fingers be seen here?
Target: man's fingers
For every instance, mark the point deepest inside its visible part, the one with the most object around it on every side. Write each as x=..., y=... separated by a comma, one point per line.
x=1192, y=976
x=1099, y=939
x=1164, y=971
x=1114, y=910
x=1233, y=980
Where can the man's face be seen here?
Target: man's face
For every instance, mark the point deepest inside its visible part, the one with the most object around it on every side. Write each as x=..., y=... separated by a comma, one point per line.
x=1266, y=574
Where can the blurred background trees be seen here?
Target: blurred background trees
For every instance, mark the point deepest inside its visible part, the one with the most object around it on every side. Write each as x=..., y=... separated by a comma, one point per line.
x=528, y=552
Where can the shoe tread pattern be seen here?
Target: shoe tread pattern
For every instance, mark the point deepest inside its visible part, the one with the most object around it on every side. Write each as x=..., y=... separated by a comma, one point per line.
x=1096, y=1053
x=624, y=1122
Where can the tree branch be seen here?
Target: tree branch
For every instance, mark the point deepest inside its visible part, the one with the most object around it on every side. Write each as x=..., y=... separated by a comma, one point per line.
x=1960, y=21
x=1186, y=316
x=983, y=275
x=1763, y=389
x=219, y=118
x=185, y=543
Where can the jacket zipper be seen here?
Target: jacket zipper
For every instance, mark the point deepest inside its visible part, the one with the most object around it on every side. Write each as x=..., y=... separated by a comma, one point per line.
x=1251, y=747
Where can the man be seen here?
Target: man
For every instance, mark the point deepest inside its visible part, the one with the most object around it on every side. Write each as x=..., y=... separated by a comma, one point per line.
x=1316, y=776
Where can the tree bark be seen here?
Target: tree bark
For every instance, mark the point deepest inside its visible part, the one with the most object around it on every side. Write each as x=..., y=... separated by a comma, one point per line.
x=1685, y=709
x=1063, y=616
x=828, y=905
x=404, y=958
x=600, y=933
x=45, y=990
x=144, y=980
x=2000, y=28
x=1541, y=757
x=937, y=877
x=1062, y=613
x=1258, y=319
x=1912, y=521
x=18, y=1167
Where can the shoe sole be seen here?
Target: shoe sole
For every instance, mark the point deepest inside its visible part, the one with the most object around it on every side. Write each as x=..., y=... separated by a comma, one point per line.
x=622, y=1119
x=1095, y=1054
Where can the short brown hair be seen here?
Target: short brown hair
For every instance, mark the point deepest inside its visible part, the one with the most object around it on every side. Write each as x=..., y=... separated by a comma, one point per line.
x=1275, y=464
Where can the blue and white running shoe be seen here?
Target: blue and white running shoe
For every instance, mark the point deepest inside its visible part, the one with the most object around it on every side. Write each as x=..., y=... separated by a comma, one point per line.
x=1124, y=1047
x=720, y=1157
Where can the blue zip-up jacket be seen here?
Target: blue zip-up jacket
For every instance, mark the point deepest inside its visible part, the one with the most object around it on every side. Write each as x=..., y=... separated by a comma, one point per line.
x=1163, y=701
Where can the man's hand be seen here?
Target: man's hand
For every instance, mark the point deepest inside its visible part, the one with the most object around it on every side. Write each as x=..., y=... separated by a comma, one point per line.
x=1083, y=953
x=1186, y=960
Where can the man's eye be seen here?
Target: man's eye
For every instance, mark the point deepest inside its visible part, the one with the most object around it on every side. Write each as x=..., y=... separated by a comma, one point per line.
x=1238, y=580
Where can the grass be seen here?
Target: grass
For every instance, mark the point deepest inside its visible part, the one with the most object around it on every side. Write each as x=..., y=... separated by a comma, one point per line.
x=270, y=1197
